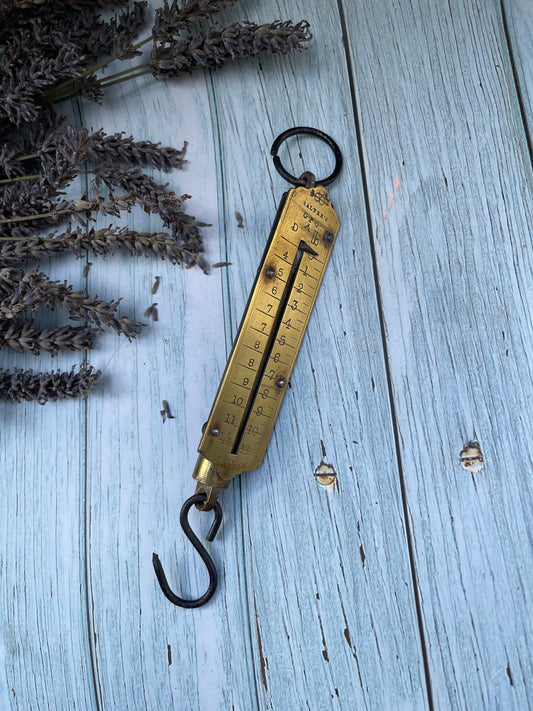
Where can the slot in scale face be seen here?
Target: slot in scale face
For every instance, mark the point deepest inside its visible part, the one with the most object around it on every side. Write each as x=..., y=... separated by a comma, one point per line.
x=257, y=374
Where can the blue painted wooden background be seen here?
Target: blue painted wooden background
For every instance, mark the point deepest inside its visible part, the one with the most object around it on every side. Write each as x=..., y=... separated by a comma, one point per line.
x=408, y=585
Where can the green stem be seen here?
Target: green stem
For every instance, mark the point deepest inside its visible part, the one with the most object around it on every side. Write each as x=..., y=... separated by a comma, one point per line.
x=29, y=156
x=104, y=80
x=41, y=175
x=21, y=177
x=21, y=158
x=91, y=70
x=144, y=41
x=23, y=218
x=32, y=239
x=106, y=84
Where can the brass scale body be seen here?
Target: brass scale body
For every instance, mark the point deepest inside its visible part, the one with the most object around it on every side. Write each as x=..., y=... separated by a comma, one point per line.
x=236, y=435
x=250, y=394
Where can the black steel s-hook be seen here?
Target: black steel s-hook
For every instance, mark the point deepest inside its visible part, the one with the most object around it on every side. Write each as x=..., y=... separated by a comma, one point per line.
x=204, y=555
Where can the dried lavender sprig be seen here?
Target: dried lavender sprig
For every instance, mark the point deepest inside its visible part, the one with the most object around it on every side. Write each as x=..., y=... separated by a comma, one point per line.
x=73, y=208
x=83, y=28
x=99, y=146
x=154, y=198
x=18, y=385
x=184, y=227
x=61, y=154
x=171, y=19
x=103, y=242
x=87, y=28
x=128, y=27
x=209, y=50
x=24, y=337
x=239, y=40
x=25, y=200
x=102, y=313
x=22, y=85
x=28, y=291
x=58, y=170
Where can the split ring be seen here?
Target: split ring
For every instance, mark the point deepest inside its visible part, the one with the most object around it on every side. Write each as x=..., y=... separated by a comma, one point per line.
x=297, y=131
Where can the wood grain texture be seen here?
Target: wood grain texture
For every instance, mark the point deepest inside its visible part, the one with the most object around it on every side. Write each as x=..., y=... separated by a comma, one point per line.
x=286, y=628
x=445, y=150
x=327, y=585
x=44, y=645
x=138, y=466
x=421, y=340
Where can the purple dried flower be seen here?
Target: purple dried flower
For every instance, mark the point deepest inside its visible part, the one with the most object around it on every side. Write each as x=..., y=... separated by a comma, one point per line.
x=171, y=19
x=18, y=385
x=27, y=291
x=102, y=242
x=239, y=40
x=22, y=336
x=26, y=72
x=50, y=51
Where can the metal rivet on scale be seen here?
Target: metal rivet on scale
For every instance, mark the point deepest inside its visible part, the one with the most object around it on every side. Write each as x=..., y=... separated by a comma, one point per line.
x=215, y=431
x=270, y=272
x=281, y=382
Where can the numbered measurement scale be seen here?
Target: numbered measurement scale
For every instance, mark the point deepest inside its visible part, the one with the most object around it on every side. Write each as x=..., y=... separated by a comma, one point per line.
x=258, y=371
x=236, y=434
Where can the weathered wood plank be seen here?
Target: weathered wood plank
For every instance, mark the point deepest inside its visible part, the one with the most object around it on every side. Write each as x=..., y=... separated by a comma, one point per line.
x=44, y=647
x=326, y=582
x=351, y=641
x=44, y=650
x=315, y=607
x=139, y=467
x=450, y=196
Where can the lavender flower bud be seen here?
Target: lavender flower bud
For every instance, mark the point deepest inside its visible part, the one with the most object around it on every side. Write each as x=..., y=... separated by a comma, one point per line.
x=239, y=40
x=18, y=385
x=172, y=19
x=24, y=337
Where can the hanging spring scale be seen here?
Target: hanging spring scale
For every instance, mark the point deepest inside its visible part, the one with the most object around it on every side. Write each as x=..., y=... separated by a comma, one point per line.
x=236, y=435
